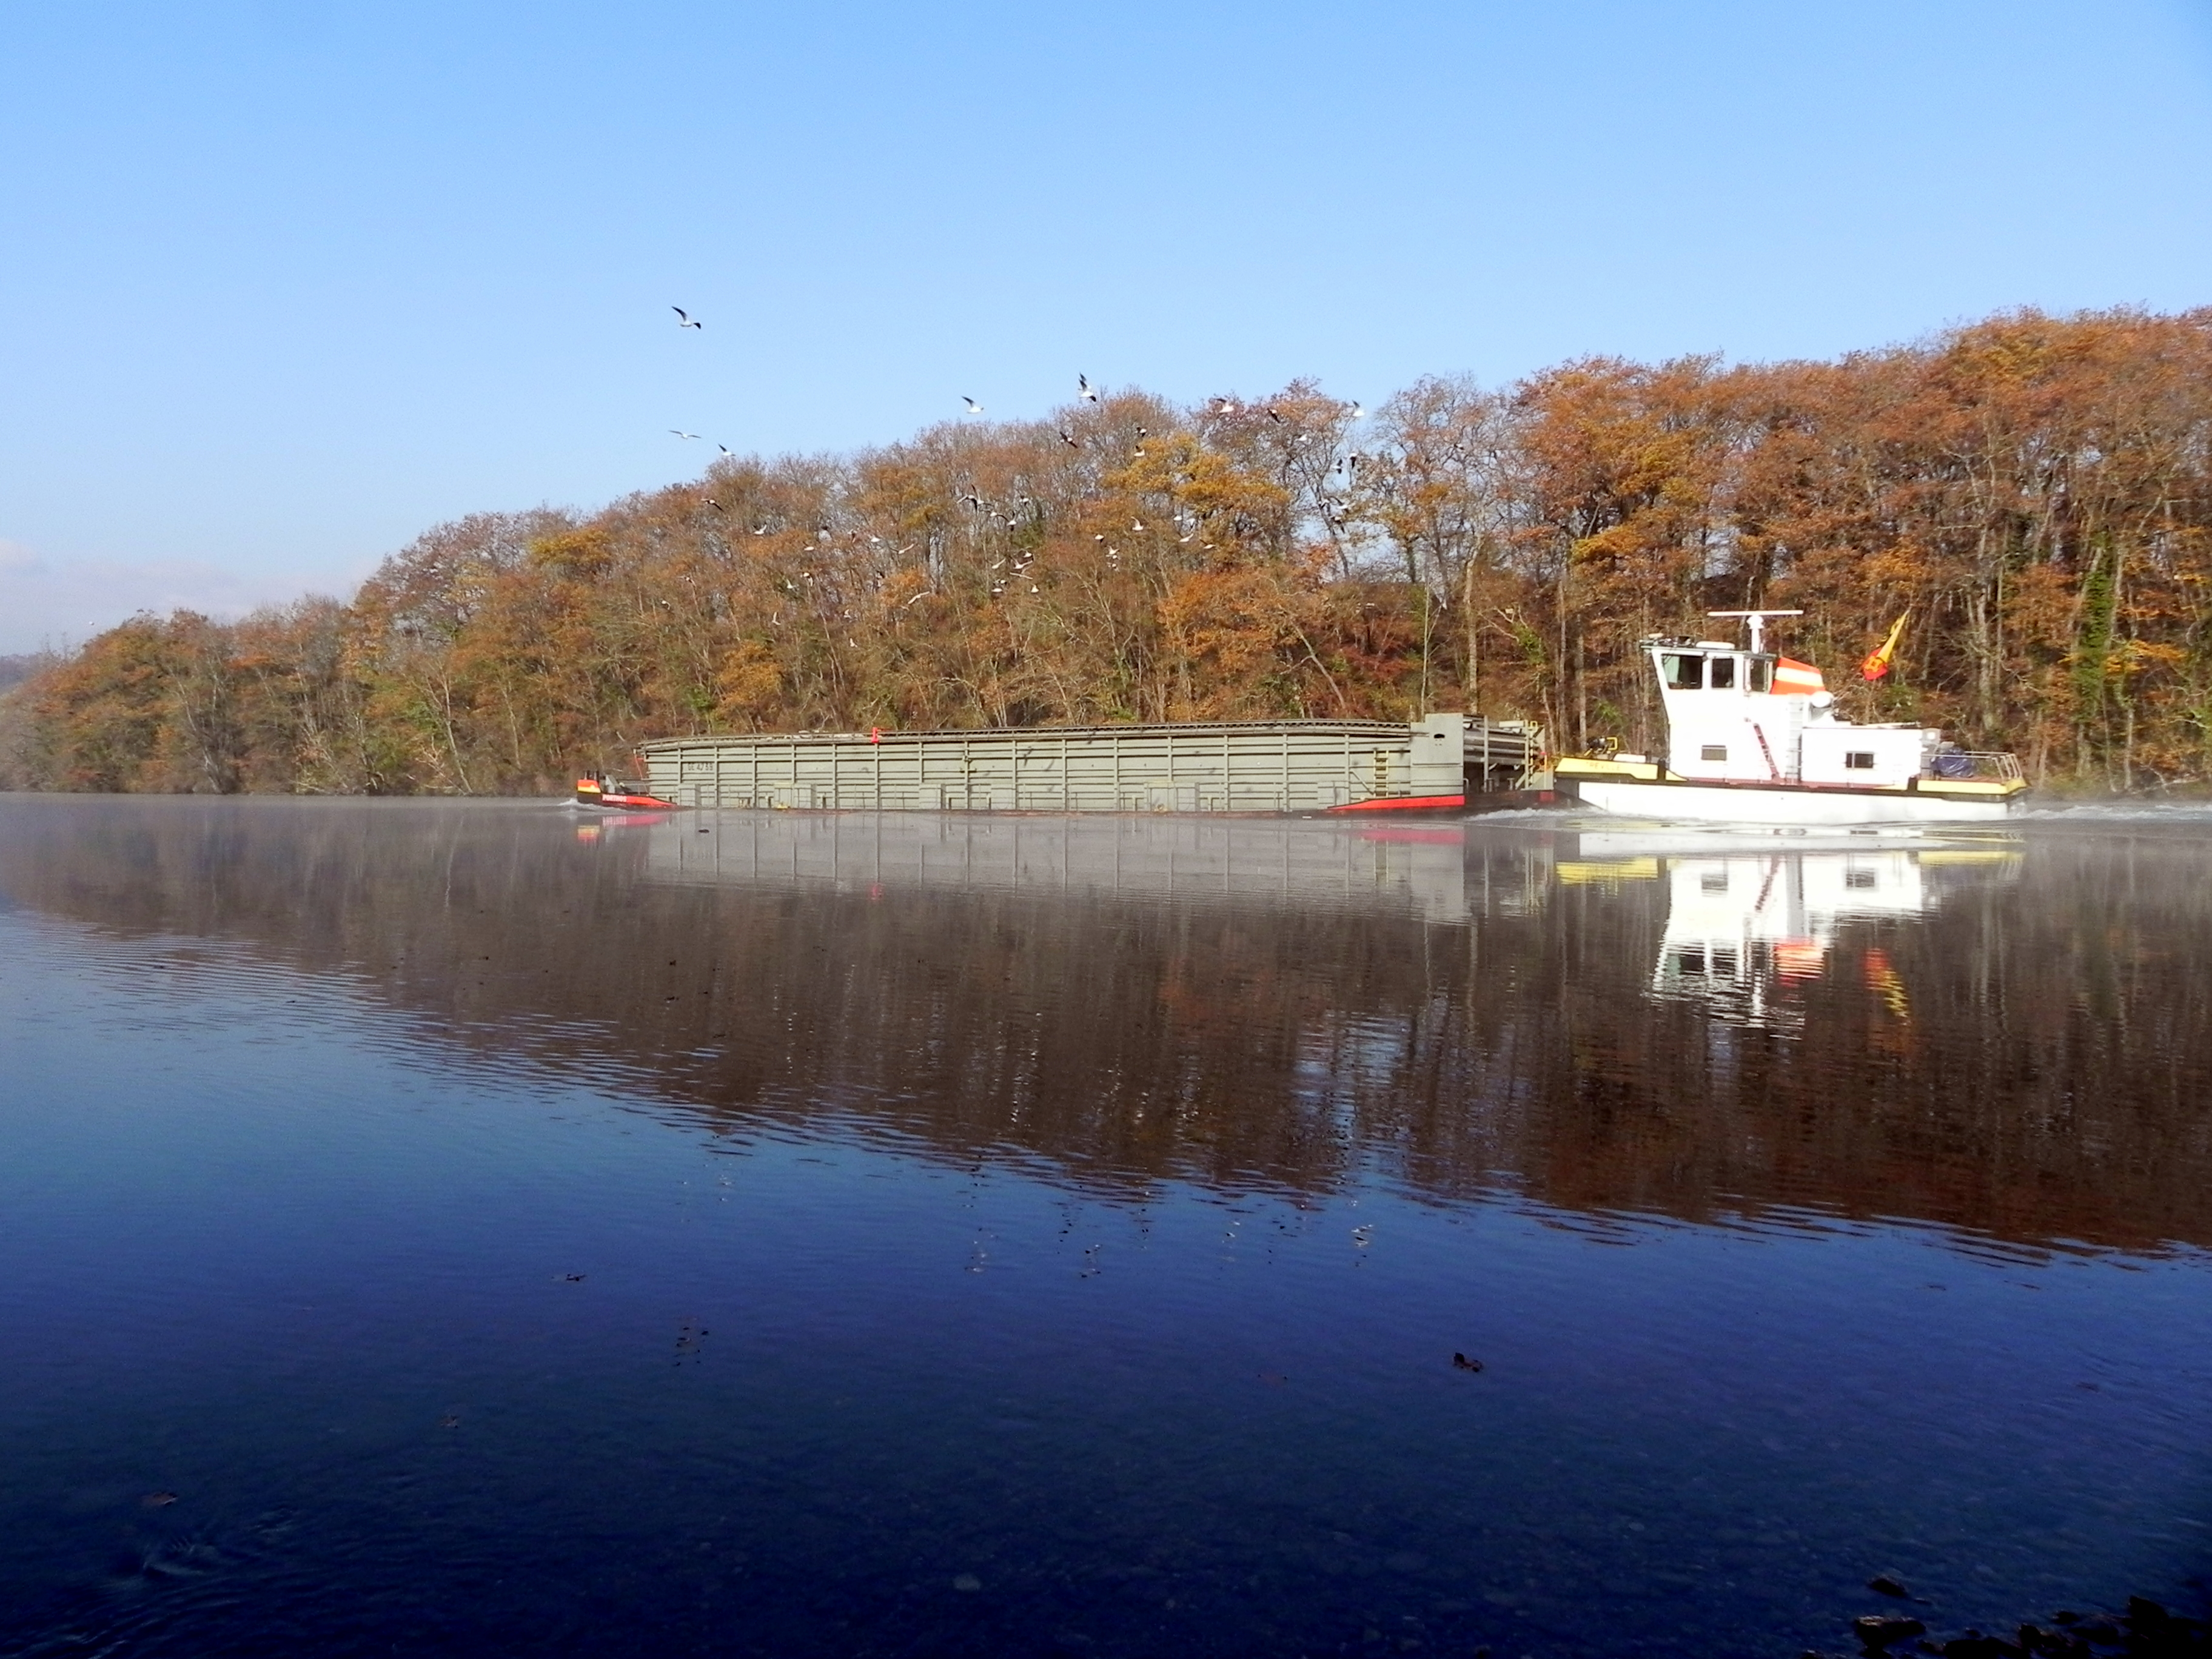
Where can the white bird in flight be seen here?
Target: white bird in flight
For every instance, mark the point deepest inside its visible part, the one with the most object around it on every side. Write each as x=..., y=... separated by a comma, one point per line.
x=1359, y=411
x=974, y=408
x=684, y=317
x=1089, y=392
x=680, y=433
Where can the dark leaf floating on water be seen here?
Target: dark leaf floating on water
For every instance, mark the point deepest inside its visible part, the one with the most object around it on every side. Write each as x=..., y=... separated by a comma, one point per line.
x=1462, y=1363
x=1878, y=1632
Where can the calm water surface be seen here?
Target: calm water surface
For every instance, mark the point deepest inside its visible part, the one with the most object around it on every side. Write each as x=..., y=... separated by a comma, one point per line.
x=470, y=1228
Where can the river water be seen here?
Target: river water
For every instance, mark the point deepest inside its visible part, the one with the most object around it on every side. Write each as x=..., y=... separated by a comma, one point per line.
x=476, y=1227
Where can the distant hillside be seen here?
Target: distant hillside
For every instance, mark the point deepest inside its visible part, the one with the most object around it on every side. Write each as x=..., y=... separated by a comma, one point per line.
x=13, y=671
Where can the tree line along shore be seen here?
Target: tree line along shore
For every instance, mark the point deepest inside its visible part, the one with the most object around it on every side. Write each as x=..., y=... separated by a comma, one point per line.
x=2033, y=494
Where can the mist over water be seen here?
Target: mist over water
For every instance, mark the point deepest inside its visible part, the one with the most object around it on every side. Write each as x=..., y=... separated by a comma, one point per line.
x=481, y=1227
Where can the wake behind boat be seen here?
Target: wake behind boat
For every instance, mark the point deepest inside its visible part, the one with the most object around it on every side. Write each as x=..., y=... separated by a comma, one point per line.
x=1754, y=738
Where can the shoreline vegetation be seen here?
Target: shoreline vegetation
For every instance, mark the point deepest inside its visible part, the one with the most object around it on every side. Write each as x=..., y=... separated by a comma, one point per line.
x=2034, y=493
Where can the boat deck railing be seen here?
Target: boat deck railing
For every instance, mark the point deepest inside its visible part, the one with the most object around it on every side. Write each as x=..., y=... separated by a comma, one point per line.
x=1990, y=765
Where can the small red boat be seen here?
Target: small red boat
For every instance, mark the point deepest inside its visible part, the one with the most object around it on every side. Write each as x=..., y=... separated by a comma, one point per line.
x=599, y=790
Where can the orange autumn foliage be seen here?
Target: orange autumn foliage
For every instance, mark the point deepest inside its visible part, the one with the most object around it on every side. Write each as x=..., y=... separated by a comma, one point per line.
x=2036, y=491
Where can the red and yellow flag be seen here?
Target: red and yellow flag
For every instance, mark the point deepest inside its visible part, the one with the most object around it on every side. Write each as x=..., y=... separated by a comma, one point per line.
x=1877, y=660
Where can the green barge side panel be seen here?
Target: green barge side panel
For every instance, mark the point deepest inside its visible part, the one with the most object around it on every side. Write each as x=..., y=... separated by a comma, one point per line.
x=1285, y=766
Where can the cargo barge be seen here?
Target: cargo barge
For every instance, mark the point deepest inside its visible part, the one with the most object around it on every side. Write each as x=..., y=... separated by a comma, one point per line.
x=1441, y=762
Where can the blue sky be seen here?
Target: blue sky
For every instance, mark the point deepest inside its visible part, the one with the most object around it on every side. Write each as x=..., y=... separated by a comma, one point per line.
x=283, y=283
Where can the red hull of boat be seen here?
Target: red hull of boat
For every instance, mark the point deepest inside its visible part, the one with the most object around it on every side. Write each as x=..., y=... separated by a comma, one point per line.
x=590, y=792
x=1403, y=804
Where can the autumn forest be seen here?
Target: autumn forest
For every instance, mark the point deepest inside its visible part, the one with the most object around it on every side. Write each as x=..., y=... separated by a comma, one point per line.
x=2034, y=493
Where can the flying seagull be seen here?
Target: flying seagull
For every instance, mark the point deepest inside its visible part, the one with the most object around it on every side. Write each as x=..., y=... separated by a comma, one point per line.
x=684, y=317
x=1225, y=406
x=1082, y=385
x=974, y=408
x=680, y=433
x=727, y=449
x=1069, y=441
x=1359, y=411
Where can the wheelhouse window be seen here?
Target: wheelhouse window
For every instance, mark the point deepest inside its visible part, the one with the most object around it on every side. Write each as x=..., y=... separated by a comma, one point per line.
x=1713, y=751
x=1761, y=676
x=1683, y=673
x=1858, y=760
x=1720, y=674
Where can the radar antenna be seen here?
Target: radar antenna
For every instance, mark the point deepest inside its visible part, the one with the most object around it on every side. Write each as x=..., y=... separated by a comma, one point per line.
x=1756, y=620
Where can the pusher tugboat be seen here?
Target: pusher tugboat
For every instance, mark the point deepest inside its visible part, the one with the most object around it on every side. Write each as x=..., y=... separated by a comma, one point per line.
x=1754, y=738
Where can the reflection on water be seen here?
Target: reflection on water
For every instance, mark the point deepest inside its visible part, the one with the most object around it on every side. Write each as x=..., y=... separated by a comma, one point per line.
x=1600, y=1020
x=1746, y=932
x=844, y=1234
x=1418, y=869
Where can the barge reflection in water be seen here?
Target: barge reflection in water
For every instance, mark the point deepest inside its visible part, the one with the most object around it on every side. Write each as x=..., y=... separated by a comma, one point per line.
x=499, y=1236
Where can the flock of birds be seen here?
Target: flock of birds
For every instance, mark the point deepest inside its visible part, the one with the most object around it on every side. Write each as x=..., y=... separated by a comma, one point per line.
x=1088, y=392
x=1222, y=407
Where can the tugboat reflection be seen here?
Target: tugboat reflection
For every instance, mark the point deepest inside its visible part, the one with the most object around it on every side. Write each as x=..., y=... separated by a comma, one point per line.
x=1748, y=931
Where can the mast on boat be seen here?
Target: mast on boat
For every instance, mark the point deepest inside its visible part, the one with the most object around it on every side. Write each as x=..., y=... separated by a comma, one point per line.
x=1756, y=621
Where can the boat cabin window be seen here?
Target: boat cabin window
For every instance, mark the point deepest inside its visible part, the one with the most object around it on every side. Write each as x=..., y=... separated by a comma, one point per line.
x=1713, y=751
x=1683, y=672
x=1720, y=674
x=1762, y=673
x=1858, y=760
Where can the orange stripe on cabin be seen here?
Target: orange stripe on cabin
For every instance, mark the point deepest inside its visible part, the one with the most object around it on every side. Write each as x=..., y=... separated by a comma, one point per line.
x=1797, y=676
